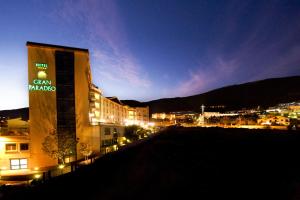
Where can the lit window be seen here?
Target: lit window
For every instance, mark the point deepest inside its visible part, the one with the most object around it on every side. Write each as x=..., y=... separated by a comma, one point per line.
x=24, y=146
x=18, y=163
x=11, y=147
x=23, y=163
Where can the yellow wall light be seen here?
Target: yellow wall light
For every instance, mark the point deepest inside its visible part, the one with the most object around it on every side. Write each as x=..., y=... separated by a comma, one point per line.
x=37, y=176
x=61, y=166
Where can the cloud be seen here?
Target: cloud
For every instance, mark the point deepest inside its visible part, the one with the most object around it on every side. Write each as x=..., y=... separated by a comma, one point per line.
x=205, y=77
x=268, y=47
x=102, y=26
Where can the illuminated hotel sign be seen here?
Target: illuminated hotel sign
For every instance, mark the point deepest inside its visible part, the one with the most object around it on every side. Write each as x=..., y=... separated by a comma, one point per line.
x=41, y=83
x=41, y=65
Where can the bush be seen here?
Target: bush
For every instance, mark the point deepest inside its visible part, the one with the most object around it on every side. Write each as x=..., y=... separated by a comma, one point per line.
x=135, y=132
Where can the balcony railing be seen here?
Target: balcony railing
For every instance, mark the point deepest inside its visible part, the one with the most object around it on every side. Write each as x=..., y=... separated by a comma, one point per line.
x=92, y=98
x=5, y=131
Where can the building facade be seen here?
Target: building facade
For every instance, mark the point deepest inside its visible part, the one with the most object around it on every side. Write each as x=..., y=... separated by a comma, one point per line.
x=138, y=116
x=59, y=84
x=63, y=102
x=15, y=145
x=110, y=110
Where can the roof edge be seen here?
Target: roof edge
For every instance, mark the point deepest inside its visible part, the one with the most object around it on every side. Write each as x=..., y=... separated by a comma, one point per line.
x=36, y=44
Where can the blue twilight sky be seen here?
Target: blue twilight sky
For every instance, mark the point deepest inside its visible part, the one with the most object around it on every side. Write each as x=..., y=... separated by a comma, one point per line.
x=146, y=50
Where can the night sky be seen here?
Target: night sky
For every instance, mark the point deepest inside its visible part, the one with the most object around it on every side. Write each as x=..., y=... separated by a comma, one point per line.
x=146, y=50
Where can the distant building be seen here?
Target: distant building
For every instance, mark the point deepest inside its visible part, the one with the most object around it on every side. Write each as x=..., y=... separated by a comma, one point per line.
x=274, y=120
x=294, y=108
x=166, y=119
x=137, y=115
x=163, y=116
x=163, y=119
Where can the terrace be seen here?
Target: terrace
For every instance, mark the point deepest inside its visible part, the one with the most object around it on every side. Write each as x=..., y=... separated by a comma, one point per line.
x=21, y=131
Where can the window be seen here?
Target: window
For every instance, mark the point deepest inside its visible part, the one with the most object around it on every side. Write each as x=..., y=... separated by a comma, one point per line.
x=106, y=143
x=18, y=163
x=11, y=147
x=24, y=147
x=107, y=131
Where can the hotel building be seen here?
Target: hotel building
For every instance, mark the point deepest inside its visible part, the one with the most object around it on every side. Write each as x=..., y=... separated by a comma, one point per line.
x=59, y=84
x=63, y=101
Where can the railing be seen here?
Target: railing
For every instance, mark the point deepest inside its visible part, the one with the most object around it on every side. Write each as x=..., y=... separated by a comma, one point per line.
x=44, y=174
x=66, y=168
x=5, y=131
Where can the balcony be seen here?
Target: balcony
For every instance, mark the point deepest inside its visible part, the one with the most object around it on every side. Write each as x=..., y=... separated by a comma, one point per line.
x=92, y=98
x=92, y=105
x=5, y=131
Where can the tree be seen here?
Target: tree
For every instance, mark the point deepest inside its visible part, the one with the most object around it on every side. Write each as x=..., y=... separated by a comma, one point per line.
x=59, y=146
x=293, y=124
x=85, y=149
x=135, y=132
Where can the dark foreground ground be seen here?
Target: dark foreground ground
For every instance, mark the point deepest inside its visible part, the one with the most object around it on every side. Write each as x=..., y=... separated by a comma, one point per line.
x=182, y=163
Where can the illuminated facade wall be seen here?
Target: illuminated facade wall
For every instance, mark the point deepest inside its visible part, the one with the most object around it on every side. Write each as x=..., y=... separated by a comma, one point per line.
x=142, y=114
x=105, y=110
x=15, y=146
x=95, y=106
x=108, y=110
x=113, y=112
x=14, y=153
x=42, y=102
x=138, y=116
x=59, y=81
x=63, y=100
x=111, y=137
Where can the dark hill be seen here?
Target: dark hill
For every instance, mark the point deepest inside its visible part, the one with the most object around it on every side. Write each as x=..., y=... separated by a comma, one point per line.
x=133, y=103
x=262, y=93
x=186, y=163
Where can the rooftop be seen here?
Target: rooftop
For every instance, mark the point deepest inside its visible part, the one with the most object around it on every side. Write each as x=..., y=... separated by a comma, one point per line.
x=115, y=99
x=35, y=44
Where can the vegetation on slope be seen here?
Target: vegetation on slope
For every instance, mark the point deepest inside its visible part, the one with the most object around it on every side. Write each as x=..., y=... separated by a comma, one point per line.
x=188, y=163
